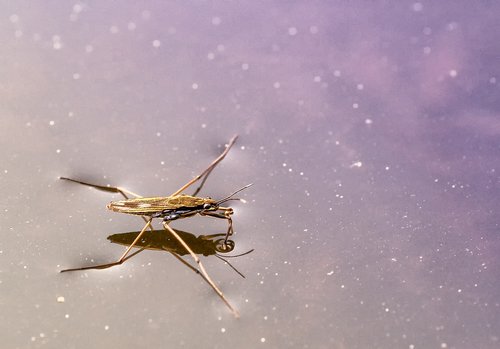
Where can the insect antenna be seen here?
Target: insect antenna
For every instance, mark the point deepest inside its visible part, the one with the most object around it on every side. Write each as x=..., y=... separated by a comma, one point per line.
x=239, y=255
x=227, y=198
x=227, y=262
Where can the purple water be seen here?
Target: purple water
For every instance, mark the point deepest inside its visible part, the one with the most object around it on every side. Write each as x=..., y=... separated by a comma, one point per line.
x=371, y=132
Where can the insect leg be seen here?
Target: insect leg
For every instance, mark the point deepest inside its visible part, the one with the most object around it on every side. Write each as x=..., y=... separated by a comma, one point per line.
x=209, y=169
x=119, y=190
x=124, y=193
x=202, y=269
x=226, y=216
x=121, y=259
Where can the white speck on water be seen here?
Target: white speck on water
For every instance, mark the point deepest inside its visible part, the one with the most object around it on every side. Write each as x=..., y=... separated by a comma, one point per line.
x=158, y=134
x=356, y=164
x=493, y=80
x=52, y=122
x=342, y=286
x=76, y=76
x=292, y=31
x=106, y=327
x=13, y=18
x=56, y=42
x=60, y=299
x=330, y=273
x=444, y=345
x=203, y=125
x=368, y=121
x=131, y=26
x=262, y=340
x=194, y=86
x=156, y=43
x=42, y=335
x=145, y=14
x=453, y=73
x=276, y=85
x=245, y=66
x=452, y=26
x=387, y=168
x=223, y=330
x=66, y=316
x=317, y=78
x=58, y=151
x=355, y=106
x=77, y=8
x=360, y=86
x=337, y=73
x=210, y=56
x=417, y=7
x=216, y=20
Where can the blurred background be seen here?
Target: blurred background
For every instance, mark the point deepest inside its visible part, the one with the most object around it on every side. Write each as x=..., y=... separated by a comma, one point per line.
x=371, y=132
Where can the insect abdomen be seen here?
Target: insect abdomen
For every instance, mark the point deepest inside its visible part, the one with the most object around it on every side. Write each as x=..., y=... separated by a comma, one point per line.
x=156, y=205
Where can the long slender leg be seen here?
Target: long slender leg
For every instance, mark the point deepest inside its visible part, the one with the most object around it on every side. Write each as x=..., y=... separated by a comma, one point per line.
x=124, y=193
x=208, y=170
x=119, y=190
x=121, y=259
x=202, y=269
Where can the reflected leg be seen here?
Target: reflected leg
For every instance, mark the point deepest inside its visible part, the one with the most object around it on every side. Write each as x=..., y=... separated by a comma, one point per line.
x=124, y=193
x=202, y=269
x=121, y=259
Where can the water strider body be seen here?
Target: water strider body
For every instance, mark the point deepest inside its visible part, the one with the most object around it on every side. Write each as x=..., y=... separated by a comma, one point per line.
x=169, y=208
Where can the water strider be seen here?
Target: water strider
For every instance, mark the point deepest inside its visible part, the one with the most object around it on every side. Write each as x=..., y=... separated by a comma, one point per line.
x=169, y=208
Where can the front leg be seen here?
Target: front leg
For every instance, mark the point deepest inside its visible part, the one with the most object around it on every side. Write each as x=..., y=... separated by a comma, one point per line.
x=227, y=216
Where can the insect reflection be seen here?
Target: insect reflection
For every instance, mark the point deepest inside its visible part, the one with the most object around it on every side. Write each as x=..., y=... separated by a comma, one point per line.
x=206, y=245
